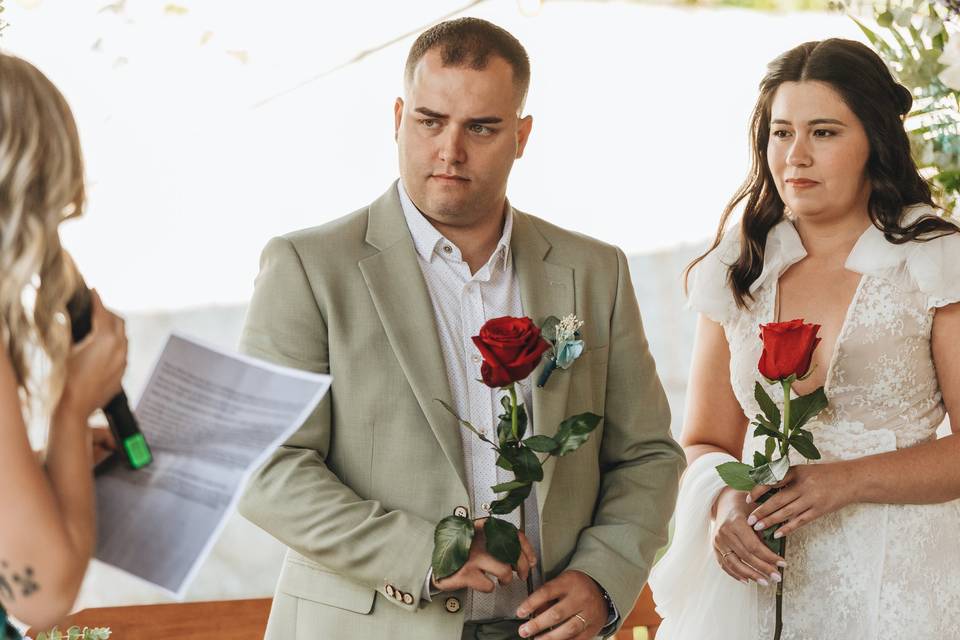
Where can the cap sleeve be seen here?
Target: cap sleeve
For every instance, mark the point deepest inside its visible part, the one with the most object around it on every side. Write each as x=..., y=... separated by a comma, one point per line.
x=934, y=269
x=709, y=292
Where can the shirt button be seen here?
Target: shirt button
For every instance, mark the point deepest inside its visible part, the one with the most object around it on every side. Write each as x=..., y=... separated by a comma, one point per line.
x=460, y=512
x=452, y=604
x=447, y=248
x=475, y=358
x=485, y=506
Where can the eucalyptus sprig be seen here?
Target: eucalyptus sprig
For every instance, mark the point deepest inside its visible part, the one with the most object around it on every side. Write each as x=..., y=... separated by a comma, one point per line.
x=76, y=633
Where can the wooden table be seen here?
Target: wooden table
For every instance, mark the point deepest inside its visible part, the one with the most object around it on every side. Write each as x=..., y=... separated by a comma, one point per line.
x=234, y=619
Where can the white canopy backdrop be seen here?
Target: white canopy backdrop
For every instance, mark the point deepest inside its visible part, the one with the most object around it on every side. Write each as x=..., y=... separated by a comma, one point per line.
x=211, y=126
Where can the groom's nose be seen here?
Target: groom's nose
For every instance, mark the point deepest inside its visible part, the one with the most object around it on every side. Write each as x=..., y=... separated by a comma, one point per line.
x=452, y=150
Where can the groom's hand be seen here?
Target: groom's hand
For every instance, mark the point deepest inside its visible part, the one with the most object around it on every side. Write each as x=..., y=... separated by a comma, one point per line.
x=473, y=575
x=570, y=603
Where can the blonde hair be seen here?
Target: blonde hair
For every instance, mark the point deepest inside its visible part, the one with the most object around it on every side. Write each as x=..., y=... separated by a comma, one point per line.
x=41, y=185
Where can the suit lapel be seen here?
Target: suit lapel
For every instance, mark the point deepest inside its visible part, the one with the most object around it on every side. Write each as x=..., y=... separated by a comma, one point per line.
x=546, y=289
x=403, y=303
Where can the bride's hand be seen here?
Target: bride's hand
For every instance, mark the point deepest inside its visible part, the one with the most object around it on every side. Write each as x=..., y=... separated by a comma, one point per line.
x=807, y=492
x=739, y=550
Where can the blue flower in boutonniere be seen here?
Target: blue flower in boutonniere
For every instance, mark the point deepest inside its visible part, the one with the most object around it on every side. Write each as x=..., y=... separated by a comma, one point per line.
x=564, y=335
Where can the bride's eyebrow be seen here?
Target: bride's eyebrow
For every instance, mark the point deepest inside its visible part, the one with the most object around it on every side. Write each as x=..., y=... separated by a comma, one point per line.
x=811, y=123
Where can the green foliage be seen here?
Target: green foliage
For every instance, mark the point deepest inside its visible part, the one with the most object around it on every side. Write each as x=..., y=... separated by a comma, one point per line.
x=911, y=37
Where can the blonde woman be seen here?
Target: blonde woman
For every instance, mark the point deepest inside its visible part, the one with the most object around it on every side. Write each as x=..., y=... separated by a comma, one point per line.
x=47, y=530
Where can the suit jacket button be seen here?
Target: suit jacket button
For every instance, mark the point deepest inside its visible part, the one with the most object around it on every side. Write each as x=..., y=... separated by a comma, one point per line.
x=398, y=595
x=390, y=591
x=461, y=512
x=452, y=604
x=407, y=598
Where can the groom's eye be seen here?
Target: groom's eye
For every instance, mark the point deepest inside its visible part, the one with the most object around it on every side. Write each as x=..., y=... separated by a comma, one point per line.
x=481, y=129
x=429, y=123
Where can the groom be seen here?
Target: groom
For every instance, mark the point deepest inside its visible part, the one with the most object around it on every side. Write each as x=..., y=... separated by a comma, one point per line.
x=386, y=300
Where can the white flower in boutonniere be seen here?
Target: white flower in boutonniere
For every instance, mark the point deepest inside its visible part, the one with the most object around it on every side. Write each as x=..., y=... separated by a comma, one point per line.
x=564, y=335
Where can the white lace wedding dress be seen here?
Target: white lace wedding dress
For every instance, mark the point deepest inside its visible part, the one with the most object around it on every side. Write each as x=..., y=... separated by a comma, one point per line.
x=868, y=571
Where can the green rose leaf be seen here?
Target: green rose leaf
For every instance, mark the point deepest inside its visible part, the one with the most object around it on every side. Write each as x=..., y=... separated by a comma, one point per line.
x=503, y=543
x=574, y=431
x=764, y=430
x=526, y=466
x=508, y=486
x=74, y=633
x=769, y=447
x=759, y=459
x=806, y=407
x=511, y=501
x=541, y=444
x=503, y=462
x=805, y=447
x=767, y=405
x=771, y=473
x=505, y=427
x=451, y=545
x=505, y=403
x=736, y=475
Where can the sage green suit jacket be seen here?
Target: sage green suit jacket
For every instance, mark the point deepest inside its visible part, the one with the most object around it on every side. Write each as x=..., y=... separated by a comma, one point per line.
x=356, y=493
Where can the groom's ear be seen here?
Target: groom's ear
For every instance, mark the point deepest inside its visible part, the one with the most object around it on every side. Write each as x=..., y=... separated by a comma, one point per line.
x=523, y=134
x=397, y=117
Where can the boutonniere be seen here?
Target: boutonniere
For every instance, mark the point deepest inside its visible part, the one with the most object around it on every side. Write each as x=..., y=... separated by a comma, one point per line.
x=564, y=337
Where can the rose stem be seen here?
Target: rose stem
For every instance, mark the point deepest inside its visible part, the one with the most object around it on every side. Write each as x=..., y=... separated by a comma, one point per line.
x=779, y=624
x=514, y=428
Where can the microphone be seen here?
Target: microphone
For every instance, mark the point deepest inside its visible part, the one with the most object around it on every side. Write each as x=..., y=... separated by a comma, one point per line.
x=123, y=424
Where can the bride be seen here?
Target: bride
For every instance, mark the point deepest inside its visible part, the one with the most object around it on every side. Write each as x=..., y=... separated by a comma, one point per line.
x=838, y=229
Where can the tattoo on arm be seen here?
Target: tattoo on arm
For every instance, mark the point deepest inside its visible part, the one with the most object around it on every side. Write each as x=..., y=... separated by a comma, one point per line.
x=12, y=581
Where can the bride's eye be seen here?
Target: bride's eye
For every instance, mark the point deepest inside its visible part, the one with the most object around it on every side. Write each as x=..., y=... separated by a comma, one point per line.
x=780, y=133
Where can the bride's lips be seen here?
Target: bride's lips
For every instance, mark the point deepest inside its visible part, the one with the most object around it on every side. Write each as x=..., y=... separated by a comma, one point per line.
x=801, y=183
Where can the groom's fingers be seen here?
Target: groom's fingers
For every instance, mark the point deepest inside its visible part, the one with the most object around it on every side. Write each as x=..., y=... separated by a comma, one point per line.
x=527, y=551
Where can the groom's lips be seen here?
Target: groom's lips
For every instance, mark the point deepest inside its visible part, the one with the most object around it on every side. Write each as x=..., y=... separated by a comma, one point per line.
x=449, y=178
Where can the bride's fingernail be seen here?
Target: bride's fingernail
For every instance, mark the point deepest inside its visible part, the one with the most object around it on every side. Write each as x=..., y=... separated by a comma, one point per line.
x=763, y=582
x=782, y=564
x=775, y=577
x=749, y=498
x=759, y=526
x=752, y=520
x=778, y=535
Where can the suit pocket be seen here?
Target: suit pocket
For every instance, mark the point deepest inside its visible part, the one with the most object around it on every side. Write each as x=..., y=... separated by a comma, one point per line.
x=312, y=583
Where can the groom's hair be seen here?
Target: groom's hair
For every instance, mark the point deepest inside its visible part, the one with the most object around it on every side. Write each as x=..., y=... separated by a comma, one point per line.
x=469, y=42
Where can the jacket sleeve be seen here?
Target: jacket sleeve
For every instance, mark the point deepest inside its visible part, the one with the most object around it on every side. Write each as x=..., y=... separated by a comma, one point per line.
x=295, y=497
x=640, y=462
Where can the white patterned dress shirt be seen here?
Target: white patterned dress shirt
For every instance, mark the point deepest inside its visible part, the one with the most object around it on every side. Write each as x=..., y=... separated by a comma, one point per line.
x=462, y=303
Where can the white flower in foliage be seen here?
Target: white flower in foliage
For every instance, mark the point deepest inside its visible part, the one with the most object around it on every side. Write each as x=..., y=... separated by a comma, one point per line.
x=951, y=58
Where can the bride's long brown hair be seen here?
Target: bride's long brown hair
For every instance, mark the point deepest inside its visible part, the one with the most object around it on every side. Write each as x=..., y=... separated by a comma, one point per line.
x=865, y=84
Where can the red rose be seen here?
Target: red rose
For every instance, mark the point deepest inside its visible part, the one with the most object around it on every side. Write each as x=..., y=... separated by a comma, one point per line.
x=511, y=349
x=787, y=348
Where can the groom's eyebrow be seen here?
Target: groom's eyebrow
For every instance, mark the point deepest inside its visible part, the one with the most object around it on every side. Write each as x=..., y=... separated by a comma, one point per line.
x=430, y=113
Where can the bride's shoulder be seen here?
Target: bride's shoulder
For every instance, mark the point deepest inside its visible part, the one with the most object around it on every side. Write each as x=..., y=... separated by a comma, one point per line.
x=709, y=285
x=929, y=265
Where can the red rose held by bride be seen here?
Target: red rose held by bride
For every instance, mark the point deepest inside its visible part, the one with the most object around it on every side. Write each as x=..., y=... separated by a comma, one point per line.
x=511, y=349
x=787, y=349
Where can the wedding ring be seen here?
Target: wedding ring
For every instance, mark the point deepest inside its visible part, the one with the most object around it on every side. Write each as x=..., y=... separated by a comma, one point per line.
x=581, y=619
x=724, y=555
